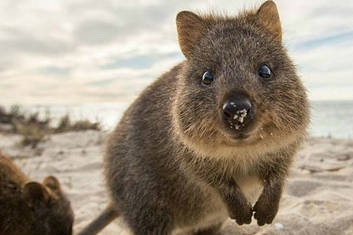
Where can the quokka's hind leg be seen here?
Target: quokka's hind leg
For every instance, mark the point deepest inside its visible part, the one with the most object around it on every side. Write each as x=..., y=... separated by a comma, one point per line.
x=213, y=230
x=149, y=223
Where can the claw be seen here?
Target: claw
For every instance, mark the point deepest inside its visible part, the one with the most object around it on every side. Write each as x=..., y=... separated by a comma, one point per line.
x=240, y=223
x=260, y=223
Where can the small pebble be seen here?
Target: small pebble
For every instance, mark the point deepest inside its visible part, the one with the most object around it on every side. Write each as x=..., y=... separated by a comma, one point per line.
x=279, y=226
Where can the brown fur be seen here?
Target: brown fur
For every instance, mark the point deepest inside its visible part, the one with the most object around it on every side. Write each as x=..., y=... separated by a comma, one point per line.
x=31, y=208
x=172, y=165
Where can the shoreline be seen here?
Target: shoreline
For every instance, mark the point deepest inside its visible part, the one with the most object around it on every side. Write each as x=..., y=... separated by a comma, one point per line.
x=317, y=199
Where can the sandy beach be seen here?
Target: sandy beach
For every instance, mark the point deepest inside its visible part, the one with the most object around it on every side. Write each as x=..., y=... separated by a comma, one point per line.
x=318, y=198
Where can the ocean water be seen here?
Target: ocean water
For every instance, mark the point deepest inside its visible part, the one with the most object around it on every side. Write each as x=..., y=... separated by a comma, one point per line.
x=332, y=118
x=328, y=118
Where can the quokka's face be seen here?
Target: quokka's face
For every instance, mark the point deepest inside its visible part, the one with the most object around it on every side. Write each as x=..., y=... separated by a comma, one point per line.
x=238, y=86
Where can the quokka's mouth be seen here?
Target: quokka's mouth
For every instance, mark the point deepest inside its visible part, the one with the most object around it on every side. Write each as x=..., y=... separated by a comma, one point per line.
x=247, y=136
x=238, y=136
x=242, y=136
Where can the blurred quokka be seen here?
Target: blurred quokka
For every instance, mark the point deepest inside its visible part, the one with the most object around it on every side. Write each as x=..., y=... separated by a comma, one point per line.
x=212, y=138
x=31, y=208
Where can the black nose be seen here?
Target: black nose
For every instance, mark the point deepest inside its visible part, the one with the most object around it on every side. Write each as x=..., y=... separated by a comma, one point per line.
x=237, y=112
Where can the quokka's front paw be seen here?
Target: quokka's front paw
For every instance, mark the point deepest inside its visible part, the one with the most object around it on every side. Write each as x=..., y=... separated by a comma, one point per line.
x=265, y=211
x=242, y=213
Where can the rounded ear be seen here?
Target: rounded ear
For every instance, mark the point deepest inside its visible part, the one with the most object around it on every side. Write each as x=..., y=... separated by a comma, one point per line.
x=190, y=29
x=35, y=194
x=52, y=183
x=268, y=16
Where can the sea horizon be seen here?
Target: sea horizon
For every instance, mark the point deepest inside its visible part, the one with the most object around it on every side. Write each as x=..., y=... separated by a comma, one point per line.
x=329, y=118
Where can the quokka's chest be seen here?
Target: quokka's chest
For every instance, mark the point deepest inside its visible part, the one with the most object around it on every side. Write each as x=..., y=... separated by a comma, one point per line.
x=213, y=210
x=251, y=186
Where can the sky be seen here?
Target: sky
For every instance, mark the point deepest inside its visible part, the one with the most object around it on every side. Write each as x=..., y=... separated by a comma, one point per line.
x=86, y=51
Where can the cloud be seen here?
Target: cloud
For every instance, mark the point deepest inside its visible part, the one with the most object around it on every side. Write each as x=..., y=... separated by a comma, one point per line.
x=64, y=51
x=96, y=32
x=325, y=40
x=60, y=71
x=141, y=61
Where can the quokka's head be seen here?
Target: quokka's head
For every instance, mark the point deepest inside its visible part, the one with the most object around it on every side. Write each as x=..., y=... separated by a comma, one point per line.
x=238, y=88
x=52, y=211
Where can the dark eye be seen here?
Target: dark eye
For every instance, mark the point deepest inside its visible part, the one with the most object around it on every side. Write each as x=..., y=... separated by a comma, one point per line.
x=207, y=78
x=265, y=72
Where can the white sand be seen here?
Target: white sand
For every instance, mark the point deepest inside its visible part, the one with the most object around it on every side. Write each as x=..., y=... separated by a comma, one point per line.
x=318, y=198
